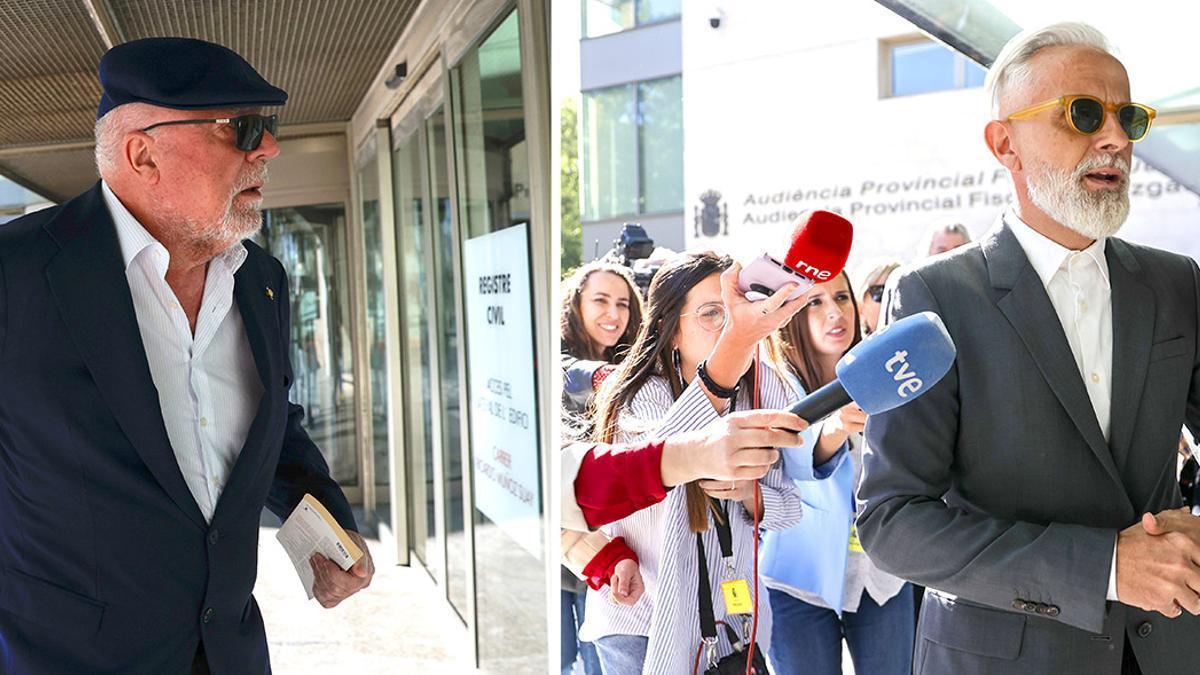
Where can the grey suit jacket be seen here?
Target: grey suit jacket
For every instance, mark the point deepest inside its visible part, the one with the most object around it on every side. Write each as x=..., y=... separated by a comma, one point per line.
x=997, y=487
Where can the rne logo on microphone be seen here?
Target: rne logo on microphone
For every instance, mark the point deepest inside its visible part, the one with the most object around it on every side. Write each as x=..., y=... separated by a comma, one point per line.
x=811, y=272
x=909, y=382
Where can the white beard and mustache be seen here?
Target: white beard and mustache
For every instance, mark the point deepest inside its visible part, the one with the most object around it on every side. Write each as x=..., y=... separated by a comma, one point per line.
x=1060, y=194
x=240, y=221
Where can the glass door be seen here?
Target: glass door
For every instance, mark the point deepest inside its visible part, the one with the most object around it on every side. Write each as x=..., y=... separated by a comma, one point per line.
x=458, y=565
x=416, y=297
x=310, y=241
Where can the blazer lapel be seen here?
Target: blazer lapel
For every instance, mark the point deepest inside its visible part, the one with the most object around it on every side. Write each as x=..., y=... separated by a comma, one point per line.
x=1133, y=314
x=1027, y=307
x=259, y=315
x=88, y=281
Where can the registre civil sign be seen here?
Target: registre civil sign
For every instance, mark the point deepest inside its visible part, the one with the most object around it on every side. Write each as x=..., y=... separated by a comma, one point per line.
x=504, y=435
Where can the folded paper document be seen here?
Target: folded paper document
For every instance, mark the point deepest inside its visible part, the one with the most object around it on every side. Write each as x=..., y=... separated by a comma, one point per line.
x=311, y=529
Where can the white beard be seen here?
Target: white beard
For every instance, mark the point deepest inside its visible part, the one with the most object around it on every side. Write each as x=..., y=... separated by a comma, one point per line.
x=237, y=223
x=1061, y=195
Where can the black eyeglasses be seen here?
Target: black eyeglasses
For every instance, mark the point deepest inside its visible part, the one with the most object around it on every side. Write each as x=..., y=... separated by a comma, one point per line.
x=249, y=128
x=875, y=292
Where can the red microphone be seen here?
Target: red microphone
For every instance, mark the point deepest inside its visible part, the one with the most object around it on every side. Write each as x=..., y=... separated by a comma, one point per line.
x=817, y=252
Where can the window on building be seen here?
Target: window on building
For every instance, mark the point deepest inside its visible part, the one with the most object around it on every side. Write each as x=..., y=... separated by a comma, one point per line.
x=604, y=17
x=923, y=66
x=632, y=149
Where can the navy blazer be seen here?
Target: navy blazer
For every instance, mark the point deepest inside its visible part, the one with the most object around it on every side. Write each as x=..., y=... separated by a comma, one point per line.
x=106, y=563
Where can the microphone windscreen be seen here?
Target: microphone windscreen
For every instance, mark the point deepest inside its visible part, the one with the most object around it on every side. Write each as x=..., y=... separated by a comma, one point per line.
x=820, y=245
x=897, y=364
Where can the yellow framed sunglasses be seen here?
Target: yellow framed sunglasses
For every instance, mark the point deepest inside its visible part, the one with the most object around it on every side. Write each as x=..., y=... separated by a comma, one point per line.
x=1085, y=114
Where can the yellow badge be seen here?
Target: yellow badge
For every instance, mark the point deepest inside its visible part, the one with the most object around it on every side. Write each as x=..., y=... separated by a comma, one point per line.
x=737, y=597
x=855, y=544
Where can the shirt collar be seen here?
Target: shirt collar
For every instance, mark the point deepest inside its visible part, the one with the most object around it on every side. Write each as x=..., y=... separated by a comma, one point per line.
x=134, y=239
x=1048, y=256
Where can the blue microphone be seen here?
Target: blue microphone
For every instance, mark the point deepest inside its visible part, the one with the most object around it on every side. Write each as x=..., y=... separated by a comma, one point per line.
x=887, y=370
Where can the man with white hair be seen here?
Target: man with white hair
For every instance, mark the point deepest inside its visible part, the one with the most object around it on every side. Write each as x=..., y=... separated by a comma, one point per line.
x=144, y=376
x=1033, y=489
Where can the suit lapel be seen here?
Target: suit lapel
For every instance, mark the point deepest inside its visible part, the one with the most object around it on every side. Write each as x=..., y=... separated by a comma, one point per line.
x=1028, y=308
x=259, y=315
x=1133, y=313
x=88, y=281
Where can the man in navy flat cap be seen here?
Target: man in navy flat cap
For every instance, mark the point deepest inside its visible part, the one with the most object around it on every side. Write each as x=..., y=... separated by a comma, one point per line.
x=144, y=376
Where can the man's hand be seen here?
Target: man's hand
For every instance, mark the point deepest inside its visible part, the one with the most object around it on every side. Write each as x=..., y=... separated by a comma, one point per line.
x=333, y=585
x=740, y=446
x=626, y=582
x=1158, y=563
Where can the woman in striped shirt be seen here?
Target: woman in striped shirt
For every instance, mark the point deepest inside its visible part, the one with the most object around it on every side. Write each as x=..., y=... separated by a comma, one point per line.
x=696, y=319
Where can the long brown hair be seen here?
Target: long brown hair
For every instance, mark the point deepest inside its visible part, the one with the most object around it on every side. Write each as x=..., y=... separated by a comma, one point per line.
x=797, y=344
x=651, y=355
x=575, y=339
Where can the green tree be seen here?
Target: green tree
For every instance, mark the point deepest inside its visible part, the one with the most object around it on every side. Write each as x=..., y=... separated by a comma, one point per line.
x=572, y=231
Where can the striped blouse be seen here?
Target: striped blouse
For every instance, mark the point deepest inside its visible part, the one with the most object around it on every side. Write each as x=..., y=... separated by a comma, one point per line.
x=668, y=612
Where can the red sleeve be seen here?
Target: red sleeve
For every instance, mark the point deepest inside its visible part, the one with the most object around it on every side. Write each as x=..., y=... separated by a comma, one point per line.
x=599, y=570
x=620, y=482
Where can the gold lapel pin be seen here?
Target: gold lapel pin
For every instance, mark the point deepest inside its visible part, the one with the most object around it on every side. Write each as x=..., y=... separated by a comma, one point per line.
x=270, y=293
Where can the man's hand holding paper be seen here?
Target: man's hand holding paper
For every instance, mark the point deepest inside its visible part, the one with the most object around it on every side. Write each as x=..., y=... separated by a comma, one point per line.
x=333, y=585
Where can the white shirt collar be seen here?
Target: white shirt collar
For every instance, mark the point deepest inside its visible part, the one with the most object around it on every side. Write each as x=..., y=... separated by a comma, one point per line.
x=1048, y=256
x=134, y=238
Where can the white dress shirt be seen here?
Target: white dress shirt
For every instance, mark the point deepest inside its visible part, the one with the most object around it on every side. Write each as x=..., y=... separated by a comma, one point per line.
x=208, y=385
x=1078, y=285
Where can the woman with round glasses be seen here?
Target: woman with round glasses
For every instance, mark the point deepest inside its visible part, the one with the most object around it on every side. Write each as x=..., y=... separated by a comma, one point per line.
x=821, y=584
x=694, y=360
x=601, y=315
x=873, y=283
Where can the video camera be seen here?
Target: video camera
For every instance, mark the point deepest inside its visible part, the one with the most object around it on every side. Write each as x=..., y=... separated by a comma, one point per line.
x=632, y=248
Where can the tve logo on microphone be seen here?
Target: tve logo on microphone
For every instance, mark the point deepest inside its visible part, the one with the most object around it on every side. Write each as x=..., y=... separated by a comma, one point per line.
x=909, y=382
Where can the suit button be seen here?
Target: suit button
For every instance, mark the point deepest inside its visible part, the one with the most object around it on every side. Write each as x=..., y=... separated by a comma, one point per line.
x=1052, y=610
x=1145, y=629
x=1042, y=609
x=213, y=536
x=1018, y=604
x=207, y=616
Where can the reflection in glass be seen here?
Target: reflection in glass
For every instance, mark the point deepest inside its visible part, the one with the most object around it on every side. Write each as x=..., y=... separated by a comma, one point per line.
x=609, y=151
x=650, y=11
x=415, y=299
x=510, y=583
x=457, y=564
x=377, y=375
x=923, y=67
x=661, y=113
x=309, y=241
x=602, y=17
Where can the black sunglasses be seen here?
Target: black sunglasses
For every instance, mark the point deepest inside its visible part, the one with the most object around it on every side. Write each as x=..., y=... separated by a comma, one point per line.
x=875, y=292
x=249, y=128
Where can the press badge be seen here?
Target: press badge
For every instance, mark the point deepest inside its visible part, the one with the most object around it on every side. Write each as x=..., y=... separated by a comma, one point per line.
x=855, y=544
x=737, y=597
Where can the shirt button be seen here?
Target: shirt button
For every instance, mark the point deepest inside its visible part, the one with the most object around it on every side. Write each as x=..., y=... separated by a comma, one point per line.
x=204, y=420
x=1083, y=305
x=1095, y=378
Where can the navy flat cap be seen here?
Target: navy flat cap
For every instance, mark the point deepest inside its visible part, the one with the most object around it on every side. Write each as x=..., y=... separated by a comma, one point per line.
x=181, y=73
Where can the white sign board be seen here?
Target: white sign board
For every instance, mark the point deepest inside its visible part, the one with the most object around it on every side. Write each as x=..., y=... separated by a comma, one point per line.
x=504, y=437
